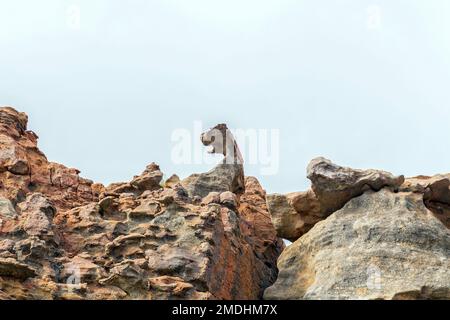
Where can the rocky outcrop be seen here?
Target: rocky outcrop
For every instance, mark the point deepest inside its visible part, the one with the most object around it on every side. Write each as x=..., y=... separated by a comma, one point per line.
x=160, y=244
x=332, y=187
x=436, y=194
x=25, y=169
x=226, y=176
x=64, y=237
x=381, y=245
x=294, y=214
x=358, y=234
x=390, y=240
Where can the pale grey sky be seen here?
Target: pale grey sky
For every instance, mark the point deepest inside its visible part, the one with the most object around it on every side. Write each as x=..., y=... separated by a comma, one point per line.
x=106, y=97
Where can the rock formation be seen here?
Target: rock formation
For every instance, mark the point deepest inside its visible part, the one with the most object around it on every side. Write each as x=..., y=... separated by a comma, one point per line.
x=25, y=169
x=333, y=186
x=436, y=194
x=387, y=238
x=228, y=175
x=358, y=234
x=64, y=237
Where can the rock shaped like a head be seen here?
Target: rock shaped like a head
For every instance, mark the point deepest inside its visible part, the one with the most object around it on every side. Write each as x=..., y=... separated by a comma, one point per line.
x=220, y=140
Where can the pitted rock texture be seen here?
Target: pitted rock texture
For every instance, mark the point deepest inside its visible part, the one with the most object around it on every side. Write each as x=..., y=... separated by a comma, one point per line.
x=381, y=245
x=228, y=175
x=25, y=169
x=64, y=237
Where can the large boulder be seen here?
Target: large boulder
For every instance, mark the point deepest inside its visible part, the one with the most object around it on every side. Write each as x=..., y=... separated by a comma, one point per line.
x=381, y=245
x=332, y=186
x=223, y=177
x=335, y=185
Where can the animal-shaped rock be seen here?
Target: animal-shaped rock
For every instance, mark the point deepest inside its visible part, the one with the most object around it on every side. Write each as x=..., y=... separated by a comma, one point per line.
x=227, y=175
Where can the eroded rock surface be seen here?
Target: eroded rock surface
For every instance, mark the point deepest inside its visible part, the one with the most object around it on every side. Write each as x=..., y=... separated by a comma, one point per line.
x=24, y=168
x=64, y=237
x=332, y=186
x=363, y=235
x=381, y=245
x=436, y=194
x=359, y=234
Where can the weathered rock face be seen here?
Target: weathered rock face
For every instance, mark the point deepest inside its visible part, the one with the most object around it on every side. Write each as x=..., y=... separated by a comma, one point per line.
x=332, y=187
x=436, y=194
x=359, y=234
x=175, y=248
x=294, y=214
x=381, y=245
x=24, y=168
x=63, y=237
x=224, y=177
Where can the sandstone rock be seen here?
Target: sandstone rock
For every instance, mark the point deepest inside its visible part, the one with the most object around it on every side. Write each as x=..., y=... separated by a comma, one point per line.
x=175, y=249
x=212, y=197
x=81, y=269
x=332, y=187
x=364, y=234
x=38, y=202
x=65, y=237
x=6, y=245
x=150, y=179
x=381, y=245
x=228, y=199
x=147, y=208
x=24, y=168
x=172, y=285
x=224, y=177
x=12, y=158
x=37, y=214
x=12, y=122
x=227, y=175
x=19, y=167
x=257, y=227
x=12, y=268
x=287, y=221
x=108, y=205
x=436, y=194
x=172, y=181
x=129, y=277
x=7, y=210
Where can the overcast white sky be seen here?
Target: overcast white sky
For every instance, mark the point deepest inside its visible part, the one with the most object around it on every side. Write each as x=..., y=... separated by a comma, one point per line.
x=336, y=80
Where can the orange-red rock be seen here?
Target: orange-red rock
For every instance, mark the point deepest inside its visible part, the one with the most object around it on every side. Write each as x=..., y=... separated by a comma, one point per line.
x=64, y=237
